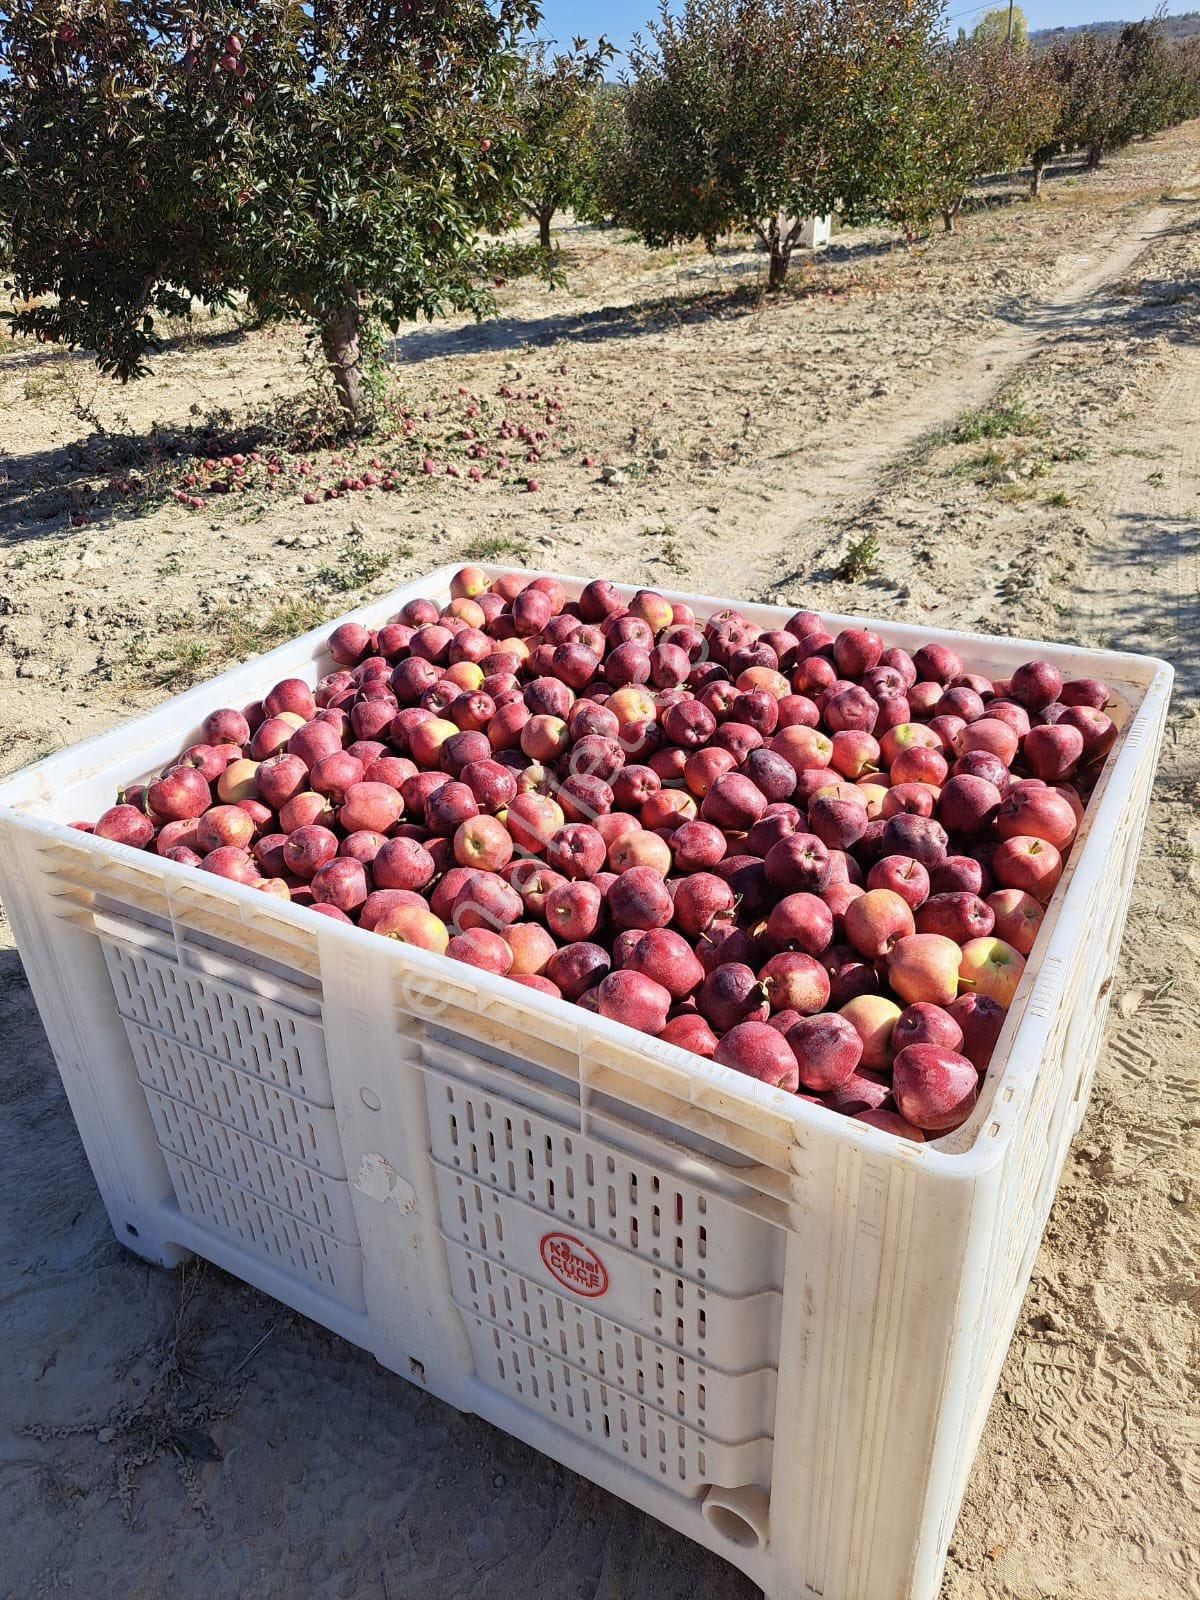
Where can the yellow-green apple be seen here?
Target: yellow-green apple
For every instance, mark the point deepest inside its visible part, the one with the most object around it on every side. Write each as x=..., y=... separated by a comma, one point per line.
x=991, y=967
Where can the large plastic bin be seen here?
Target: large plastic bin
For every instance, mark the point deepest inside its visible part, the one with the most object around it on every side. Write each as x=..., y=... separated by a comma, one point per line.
x=773, y=1328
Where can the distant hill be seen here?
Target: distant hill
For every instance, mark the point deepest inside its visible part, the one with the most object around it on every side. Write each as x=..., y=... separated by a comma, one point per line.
x=1184, y=26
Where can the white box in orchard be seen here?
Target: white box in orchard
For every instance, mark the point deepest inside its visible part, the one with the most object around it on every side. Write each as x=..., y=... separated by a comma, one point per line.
x=773, y=1328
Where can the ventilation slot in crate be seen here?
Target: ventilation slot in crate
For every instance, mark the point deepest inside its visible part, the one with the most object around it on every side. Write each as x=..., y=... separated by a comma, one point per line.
x=248, y=1030
x=329, y=1263
x=602, y=1415
x=238, y=1090
x=729, y=1407
x=308, y=1194
x=284, y=1121
x=607, y=1193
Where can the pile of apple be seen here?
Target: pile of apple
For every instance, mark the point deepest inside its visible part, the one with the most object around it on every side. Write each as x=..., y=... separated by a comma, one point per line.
x=812, y=859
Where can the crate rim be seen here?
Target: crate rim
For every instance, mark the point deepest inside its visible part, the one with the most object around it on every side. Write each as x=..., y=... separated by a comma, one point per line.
x=1150, y=682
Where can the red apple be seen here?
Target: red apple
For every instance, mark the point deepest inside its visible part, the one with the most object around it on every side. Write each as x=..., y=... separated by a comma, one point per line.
x=956, y=916
x=639, y=899
x=1018, y=918
x=700, y=901
x=223, y=825
x=935, y=1088
x=1027, y=863
x=827, y=1050
x=902, y=876
x=180, y=792
x=125, y=824
x=760, y=1052
x=981, y=1018
x=578, y=968
x=689, y=1031
x=661, y=954
x=794, y=981
x=572, y=910
x=923, y=1023
x=876, y=920
x=635, y=1000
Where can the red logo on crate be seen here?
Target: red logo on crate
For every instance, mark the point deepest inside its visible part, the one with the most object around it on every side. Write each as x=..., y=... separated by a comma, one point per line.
x=576, y=1267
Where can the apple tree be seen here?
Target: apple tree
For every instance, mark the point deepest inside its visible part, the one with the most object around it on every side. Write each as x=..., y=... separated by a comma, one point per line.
x=989, y=106
x=556, y=110
x=335, y=161
x=1002, y=26
x=754, y=114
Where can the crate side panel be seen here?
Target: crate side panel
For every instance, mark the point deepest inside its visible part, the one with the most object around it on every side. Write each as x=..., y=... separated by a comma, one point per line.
x=67, y=974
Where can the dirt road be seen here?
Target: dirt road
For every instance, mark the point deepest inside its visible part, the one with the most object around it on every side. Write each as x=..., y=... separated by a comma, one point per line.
x=1011, y=423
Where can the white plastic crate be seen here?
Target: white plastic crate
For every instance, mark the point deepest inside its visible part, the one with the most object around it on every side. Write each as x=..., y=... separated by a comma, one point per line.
x=776, y=1329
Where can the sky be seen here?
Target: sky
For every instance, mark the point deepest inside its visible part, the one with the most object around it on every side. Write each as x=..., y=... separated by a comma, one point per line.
x=620, y=19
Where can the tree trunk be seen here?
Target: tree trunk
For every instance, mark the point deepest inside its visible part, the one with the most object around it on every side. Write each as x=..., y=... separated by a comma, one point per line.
x=544, y=229
x=1093, y=155
x=950, y=216
x=1035, y=182
x=342, y=344
x=781, y=257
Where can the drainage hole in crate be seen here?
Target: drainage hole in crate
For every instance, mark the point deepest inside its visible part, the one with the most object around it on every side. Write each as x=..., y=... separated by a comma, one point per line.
x=731, y=1526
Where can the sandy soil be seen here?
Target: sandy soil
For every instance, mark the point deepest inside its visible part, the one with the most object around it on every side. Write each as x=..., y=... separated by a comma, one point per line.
x=1006, y=424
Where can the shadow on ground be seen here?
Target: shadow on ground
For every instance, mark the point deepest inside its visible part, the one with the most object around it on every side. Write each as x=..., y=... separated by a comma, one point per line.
x=1141, y=624
x=114, y=478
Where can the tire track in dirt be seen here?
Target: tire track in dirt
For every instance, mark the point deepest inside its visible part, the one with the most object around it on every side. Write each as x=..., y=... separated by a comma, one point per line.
x=1091, y=1446
x=782, y=547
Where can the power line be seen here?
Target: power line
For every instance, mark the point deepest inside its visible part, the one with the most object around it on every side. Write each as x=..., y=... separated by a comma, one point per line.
x=988, y=6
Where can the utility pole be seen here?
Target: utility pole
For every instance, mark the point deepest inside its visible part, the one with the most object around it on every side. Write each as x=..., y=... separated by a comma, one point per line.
x=1008, y=35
